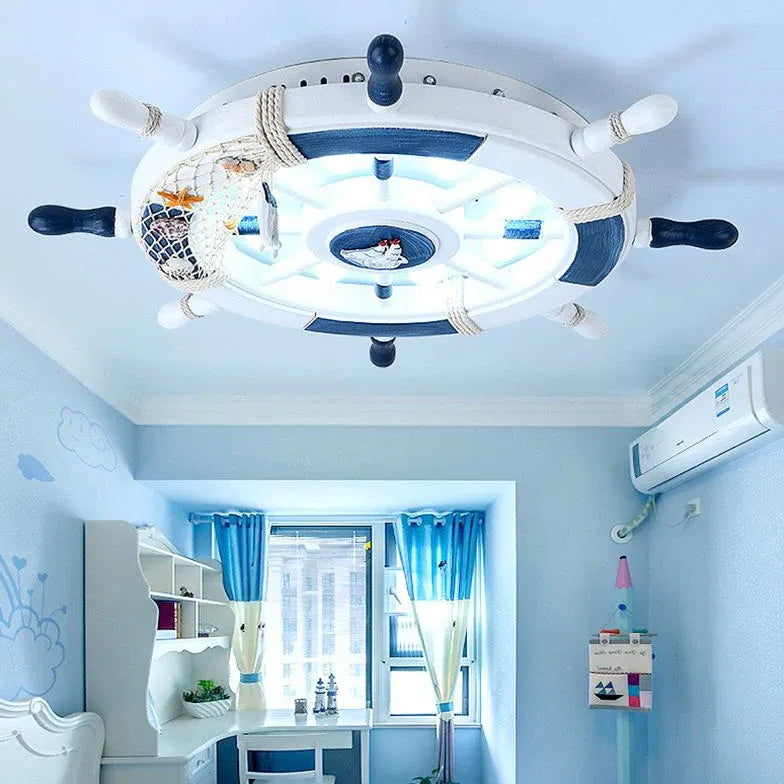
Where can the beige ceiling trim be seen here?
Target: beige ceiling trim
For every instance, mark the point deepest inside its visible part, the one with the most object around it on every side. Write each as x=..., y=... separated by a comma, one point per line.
x=389, y=411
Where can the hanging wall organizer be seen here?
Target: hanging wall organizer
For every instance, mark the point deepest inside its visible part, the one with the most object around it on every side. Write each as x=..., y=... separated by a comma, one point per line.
x=384, y=199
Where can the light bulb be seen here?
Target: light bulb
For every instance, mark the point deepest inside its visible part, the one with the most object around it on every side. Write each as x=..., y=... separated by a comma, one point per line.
x=586, y=323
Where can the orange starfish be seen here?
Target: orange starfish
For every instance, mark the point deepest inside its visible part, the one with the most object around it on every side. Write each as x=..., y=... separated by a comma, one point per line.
x=182, y=199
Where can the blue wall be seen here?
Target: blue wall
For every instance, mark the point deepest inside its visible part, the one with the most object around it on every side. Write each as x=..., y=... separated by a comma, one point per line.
x=717, y=602
x=65, y=456
x=572, y=486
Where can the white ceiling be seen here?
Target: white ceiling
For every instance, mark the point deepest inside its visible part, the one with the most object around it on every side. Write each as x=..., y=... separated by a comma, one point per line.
x=91, y=302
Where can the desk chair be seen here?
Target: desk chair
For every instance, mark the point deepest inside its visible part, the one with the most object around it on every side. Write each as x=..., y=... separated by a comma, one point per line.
x=302, y=741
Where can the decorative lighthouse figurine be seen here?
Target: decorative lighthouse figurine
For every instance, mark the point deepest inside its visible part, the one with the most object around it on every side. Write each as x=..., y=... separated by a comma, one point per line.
x=319, y=705
x=332, y=696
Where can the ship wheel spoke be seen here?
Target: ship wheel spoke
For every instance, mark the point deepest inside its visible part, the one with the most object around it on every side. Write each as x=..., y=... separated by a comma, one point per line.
x=287, y=268
x=383, y=168
x=513, y=229
x=301, y=191
x=479, y=270
x=465, y=192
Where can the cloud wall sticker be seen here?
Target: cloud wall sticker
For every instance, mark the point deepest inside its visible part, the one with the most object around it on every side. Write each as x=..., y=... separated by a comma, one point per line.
x=86, y=439
x=30, y=648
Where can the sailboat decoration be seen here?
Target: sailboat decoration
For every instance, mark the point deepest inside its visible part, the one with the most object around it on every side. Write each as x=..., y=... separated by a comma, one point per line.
x=606, y=691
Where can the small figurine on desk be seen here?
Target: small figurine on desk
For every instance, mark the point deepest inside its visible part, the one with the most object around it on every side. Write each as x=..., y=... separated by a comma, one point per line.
x=319, y=705
x=332, y=696
x=185, y=592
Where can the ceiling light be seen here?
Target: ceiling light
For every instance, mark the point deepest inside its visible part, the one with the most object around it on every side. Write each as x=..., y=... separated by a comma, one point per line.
x=396, y=182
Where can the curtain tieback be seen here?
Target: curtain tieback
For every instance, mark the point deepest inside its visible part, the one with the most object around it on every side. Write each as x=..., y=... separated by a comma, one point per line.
x=250, y=677
x=446, y=711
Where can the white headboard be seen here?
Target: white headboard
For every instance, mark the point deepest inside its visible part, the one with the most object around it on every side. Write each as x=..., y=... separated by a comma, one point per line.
x=39, y=747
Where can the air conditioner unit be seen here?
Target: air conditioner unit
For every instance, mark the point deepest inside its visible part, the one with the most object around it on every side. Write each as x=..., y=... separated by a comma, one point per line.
x=737, y=413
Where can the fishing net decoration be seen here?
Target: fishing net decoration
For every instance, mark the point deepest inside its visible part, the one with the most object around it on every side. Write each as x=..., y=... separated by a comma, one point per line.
x=188, y=217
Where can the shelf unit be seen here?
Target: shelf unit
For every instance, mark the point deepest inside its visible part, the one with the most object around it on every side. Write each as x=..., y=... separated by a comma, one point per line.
x=167, y=572
x=126, y=666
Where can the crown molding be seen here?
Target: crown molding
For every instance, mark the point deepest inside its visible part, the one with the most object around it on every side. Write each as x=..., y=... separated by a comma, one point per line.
x=393, y=411
x=757, y=322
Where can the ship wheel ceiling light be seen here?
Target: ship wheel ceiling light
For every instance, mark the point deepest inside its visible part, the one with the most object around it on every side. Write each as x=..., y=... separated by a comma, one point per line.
x=384, y=199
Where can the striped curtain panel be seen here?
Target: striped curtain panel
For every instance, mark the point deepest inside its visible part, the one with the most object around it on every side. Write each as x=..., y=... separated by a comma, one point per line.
x=438, y=552
x=243, y=543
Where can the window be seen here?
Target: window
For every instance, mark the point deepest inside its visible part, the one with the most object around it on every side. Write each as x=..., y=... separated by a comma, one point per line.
x=317, y=610
x=405, y=690
x=336, y=605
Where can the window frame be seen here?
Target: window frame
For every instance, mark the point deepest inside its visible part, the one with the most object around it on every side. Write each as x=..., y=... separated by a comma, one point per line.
x=379, y=662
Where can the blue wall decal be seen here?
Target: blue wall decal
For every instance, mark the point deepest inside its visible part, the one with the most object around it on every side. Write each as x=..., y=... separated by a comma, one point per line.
x=32, y=468
x=30, y=648
x=86, y=439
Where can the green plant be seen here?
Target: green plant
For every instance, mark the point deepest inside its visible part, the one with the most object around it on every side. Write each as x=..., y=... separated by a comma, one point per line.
x=207, y=691
x=431, y=779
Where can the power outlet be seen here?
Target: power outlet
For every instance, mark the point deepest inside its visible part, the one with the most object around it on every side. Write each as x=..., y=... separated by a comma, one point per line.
x=693, y=508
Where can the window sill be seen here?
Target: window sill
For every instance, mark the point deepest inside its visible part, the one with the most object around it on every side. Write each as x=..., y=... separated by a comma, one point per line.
x=424, y=723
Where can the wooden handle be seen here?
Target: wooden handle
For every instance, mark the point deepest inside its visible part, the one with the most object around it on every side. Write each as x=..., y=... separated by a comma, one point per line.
x=710, y=234
x=382, y=352
x=54, y=219
x=384, y=59
x=117, y=108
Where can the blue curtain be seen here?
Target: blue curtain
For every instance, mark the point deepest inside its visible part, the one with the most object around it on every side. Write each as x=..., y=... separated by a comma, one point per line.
x=438, y=553
x=242, y=543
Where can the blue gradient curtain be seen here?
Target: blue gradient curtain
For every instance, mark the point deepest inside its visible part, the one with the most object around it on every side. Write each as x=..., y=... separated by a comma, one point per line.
x=242, y=542
x=438, y=552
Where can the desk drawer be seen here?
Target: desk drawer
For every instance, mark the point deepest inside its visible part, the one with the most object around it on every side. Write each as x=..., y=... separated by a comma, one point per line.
x=199, y=761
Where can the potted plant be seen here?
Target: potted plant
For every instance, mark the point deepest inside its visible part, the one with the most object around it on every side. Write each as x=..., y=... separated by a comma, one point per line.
x=207, y=700
x=431, y=779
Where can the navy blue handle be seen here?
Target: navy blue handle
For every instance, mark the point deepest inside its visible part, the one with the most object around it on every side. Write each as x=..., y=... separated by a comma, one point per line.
x=54, y=219
x=385, y=59
x=707, y=234
x=382, y=352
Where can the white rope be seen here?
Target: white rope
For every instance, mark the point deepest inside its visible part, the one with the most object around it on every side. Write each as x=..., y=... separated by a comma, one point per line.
x=610, y=209
x=456, y=312
x=271, y=133
x=154, y=117
x=187, y=311
x=618, y=129
x=577, y=317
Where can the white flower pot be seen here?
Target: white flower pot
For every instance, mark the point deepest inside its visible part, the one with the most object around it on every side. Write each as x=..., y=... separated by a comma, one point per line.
x=207, y=710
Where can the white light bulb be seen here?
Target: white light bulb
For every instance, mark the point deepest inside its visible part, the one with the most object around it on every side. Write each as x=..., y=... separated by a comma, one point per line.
x=592, y=327
x=170, y=316
x=649, y=114
x=586, y=323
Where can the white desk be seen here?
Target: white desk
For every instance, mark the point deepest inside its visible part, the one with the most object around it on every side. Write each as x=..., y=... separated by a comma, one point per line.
x=186, y=746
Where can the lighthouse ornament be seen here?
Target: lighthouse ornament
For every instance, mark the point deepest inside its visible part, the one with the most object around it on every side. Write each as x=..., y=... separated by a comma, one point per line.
x=319, y=704
x=332, y=696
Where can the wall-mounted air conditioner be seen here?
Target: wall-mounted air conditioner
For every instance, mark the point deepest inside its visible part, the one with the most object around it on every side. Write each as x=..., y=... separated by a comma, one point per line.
x=737, y=413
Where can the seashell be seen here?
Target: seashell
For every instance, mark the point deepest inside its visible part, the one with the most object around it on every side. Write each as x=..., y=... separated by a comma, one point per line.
x=236, y=165
x=170, y=228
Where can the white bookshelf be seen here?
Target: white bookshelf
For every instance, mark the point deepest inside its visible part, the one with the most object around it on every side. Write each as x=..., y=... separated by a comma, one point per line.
x=123, y=577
